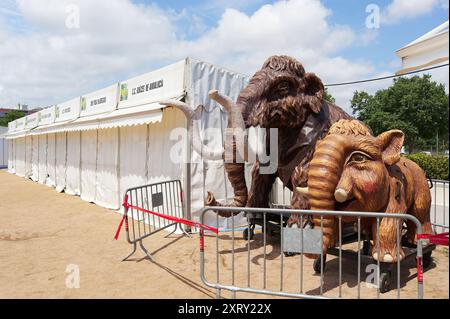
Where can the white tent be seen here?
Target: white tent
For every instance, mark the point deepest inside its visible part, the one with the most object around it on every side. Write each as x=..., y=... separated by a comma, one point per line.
x=102, y=143
x=428, y=50
x=4, y=145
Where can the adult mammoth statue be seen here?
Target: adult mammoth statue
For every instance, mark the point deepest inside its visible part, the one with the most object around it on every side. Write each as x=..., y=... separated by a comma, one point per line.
x=280, y=95
x=366, y=173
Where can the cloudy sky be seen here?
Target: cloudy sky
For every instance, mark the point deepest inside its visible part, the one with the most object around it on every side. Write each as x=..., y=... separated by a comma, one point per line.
x=46, y=57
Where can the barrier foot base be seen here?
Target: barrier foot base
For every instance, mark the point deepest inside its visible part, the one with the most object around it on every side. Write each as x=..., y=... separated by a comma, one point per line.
x=185, y=232
x=181, y=228
x=132, y=253
x=175, y=229
x=145, y=250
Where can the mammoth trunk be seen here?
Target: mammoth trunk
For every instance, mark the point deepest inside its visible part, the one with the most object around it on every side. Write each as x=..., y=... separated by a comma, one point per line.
x=324, y=173
x=236, y=176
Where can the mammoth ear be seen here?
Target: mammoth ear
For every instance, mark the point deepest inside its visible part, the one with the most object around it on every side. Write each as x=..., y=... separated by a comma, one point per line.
x=314, y=91
x=391, y=143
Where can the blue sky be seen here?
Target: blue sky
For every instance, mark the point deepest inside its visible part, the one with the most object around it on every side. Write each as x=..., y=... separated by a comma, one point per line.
x=44, y=62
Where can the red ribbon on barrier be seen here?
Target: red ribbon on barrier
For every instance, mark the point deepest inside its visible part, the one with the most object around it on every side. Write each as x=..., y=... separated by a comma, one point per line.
x=125, y=203
x=120, y=227
x=171, y=218
x=438, y=239
x=419, y=270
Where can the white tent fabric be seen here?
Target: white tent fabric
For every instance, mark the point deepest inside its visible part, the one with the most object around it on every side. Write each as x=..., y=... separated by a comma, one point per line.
x=210, y=175
x=160, y=165
x=133, y=157
x=42, y=158
x=139, y=115
x=132, y=116
x=28, y=155
x=4, y=145
x=88, y=165
x=61, y=145
x=97, y=152
x=20, y=156
x=428, y=50
x=107, y=181
x=51, y=160
x=35, y=158
x=11, y=163
x=73, y=163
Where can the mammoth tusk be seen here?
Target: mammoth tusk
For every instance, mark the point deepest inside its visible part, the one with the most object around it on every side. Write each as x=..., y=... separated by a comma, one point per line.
x=223, y=100
x=186, y=109
x=341, y=195
x=235, y=122
x=194, y=134
x=302, y=191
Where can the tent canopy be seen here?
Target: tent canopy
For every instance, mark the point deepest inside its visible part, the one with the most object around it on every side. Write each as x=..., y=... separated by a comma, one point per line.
x=427, y=50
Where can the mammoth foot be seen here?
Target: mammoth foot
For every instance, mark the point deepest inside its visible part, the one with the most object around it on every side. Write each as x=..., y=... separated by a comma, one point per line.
x=211, y=201
x=387, y=254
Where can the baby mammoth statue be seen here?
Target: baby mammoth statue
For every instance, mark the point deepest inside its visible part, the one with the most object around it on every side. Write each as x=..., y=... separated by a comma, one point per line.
x=352, y=170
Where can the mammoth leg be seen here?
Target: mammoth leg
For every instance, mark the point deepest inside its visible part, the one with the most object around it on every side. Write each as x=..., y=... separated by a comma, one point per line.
x=424, y=218
x=299, y=201
x=260, y=188
x=421, y=209
x=387, y=250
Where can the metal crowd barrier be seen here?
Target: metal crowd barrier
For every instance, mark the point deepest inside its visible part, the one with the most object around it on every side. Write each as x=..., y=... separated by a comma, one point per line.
x=280, y=197
x=153, y=208
x=237, y=274
x=440, y=205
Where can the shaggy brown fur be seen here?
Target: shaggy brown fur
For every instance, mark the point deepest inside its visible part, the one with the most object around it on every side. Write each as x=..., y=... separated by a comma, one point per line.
x=282, y=95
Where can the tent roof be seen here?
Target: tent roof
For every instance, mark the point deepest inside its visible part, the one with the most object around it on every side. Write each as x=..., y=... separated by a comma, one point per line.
x=138, y=97
x=428, y=50
x=423, y=42
x=140, y=115
x=440, y=30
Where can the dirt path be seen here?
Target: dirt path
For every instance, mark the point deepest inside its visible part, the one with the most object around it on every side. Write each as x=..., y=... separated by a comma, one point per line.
x=43, y=233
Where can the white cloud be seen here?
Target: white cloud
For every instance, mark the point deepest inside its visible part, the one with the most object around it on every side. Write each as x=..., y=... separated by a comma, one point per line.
x=297, y=28
x=399, y=10
x=368, y=37
x=47, y=63
x=51, y=63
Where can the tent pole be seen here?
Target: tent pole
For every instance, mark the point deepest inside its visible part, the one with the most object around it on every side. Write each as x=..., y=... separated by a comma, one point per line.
x=118, y=167
x=79, y=164
x=65, y=161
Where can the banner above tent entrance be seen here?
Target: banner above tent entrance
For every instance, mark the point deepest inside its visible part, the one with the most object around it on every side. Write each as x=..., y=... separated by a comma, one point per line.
x=46, y=116
x=67, y=111
x=99, y=102
x=31, y=121
x=165, y=83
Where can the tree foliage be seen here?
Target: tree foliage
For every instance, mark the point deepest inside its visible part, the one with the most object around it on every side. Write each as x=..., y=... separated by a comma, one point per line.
x=11, y=116
x=435, y=167
x=416, y=105
x=328, y=97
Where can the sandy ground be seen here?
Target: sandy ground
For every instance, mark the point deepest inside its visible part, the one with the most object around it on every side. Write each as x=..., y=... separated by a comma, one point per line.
x=43, y=233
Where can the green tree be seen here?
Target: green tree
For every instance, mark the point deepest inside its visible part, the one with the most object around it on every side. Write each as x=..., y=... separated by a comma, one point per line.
x=328, y=97
x=11, y=116
x=416, y=105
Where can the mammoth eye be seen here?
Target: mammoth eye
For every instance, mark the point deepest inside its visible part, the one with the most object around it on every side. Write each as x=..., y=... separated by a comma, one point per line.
x=358, y=157
x=283, y=87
